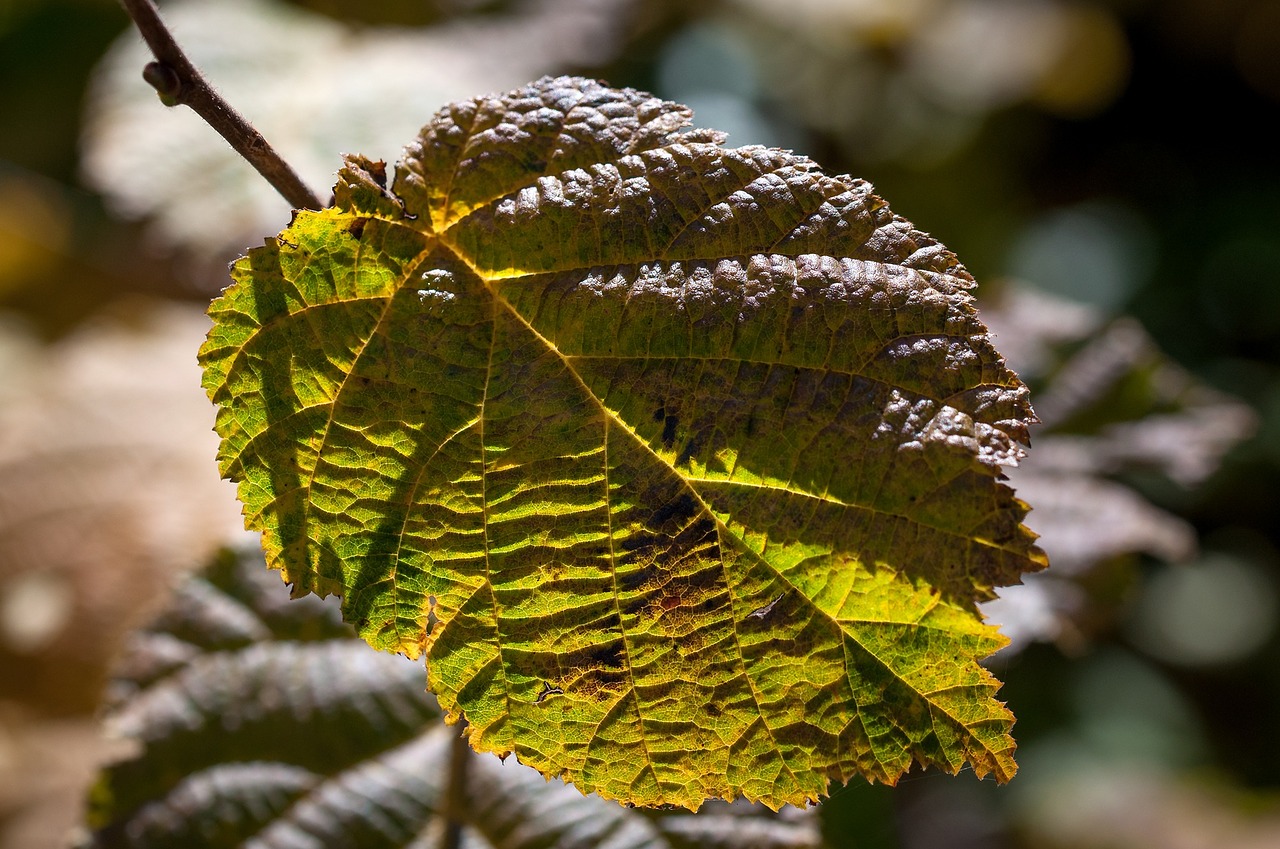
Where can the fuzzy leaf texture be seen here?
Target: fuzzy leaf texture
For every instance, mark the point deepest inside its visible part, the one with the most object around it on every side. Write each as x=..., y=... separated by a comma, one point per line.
x=680, y=464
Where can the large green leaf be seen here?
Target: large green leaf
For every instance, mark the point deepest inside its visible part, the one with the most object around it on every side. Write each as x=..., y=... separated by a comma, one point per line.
x=680, y=463
x=262, y=725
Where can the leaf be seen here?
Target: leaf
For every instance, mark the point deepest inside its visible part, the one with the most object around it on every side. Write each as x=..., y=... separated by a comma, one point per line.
x=1112, y=405
x=679, y=463
x=264, y=725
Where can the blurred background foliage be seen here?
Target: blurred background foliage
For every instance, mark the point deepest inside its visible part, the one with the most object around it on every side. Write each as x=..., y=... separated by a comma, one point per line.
x=1105, y=168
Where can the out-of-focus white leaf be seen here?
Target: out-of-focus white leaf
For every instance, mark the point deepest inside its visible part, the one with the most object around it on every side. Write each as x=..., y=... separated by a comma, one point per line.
x=1029, y=325
x=1037, y=609
x=315, y=88
x=1084, y=520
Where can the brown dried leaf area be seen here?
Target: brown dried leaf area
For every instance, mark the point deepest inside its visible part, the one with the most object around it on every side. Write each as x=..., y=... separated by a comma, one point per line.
x=680, y=464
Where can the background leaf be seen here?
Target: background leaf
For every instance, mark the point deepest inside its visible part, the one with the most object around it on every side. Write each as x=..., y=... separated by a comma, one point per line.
x=1120, y=423
x=691, y=453
x=263, y=723
x=315, y=87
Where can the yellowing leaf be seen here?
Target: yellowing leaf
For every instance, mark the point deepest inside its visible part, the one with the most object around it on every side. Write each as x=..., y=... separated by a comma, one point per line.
x=224, y=695
x=680, y=463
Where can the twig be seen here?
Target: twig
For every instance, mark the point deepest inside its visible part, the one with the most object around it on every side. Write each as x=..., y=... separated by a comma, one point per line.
x=177, y=81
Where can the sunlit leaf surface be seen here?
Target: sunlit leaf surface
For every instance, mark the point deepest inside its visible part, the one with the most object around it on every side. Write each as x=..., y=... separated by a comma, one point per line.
x=679, y=463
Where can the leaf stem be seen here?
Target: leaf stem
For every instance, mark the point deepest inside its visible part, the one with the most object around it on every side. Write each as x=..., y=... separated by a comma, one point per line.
x=177, y=81
x=455, y=793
